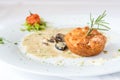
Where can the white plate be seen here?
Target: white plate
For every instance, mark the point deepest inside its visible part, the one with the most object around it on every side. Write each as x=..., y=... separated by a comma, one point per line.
x=10, y=53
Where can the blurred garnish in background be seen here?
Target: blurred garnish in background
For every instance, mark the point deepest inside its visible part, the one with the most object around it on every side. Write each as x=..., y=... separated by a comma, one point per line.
x=34, y=23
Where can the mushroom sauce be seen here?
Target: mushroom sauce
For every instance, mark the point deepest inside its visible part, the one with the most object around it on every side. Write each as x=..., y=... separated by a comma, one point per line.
x=38, y=44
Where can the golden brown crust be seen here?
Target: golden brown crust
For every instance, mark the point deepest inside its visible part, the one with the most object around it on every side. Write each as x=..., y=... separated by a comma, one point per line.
x=83, y=45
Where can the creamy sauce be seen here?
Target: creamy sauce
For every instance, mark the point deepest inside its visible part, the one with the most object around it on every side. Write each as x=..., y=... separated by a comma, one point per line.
x=35, y=44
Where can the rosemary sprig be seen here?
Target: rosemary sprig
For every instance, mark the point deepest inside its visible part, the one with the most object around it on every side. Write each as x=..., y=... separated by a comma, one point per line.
x=99, y=22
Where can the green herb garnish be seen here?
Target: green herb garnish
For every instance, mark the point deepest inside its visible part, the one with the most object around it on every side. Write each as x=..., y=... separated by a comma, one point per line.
x=99, y=22
x=119, y=50
x=35, y=27
x=105, y=52
x=1, y=41
x=34, y=23
x=15, y=43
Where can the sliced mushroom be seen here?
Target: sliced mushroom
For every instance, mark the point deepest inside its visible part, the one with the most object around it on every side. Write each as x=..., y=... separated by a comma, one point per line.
x=59, y=37
x=61, y=46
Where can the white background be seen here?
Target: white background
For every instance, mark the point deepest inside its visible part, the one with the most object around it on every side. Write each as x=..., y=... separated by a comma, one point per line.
x=8, y=72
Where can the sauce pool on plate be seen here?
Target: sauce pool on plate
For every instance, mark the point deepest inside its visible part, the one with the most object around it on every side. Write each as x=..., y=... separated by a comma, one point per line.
x=37, y=44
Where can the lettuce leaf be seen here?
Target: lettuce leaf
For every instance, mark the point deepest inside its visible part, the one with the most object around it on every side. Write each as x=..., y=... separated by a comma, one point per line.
x=36, y=26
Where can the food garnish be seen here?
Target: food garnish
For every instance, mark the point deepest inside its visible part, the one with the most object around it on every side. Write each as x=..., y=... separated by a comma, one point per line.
x=15, y=43
x=99, y=22
x=45, y=42
x=105, y=52
x=1, y=41
x=88, y=41
x=118, y=50
x=34, y=23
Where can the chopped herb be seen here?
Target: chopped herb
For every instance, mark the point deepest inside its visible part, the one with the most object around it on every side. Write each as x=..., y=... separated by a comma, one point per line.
x=100, y=22
x=35, y=27
x=16, y=43
x=1, y=41
x=52, y=39
x=119, y=50
x=22, y=29
x=39, y=34
x=45, y=43
x=105, y=52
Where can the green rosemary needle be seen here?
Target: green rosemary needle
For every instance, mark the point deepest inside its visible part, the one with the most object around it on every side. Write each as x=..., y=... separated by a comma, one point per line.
x=99, y=22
